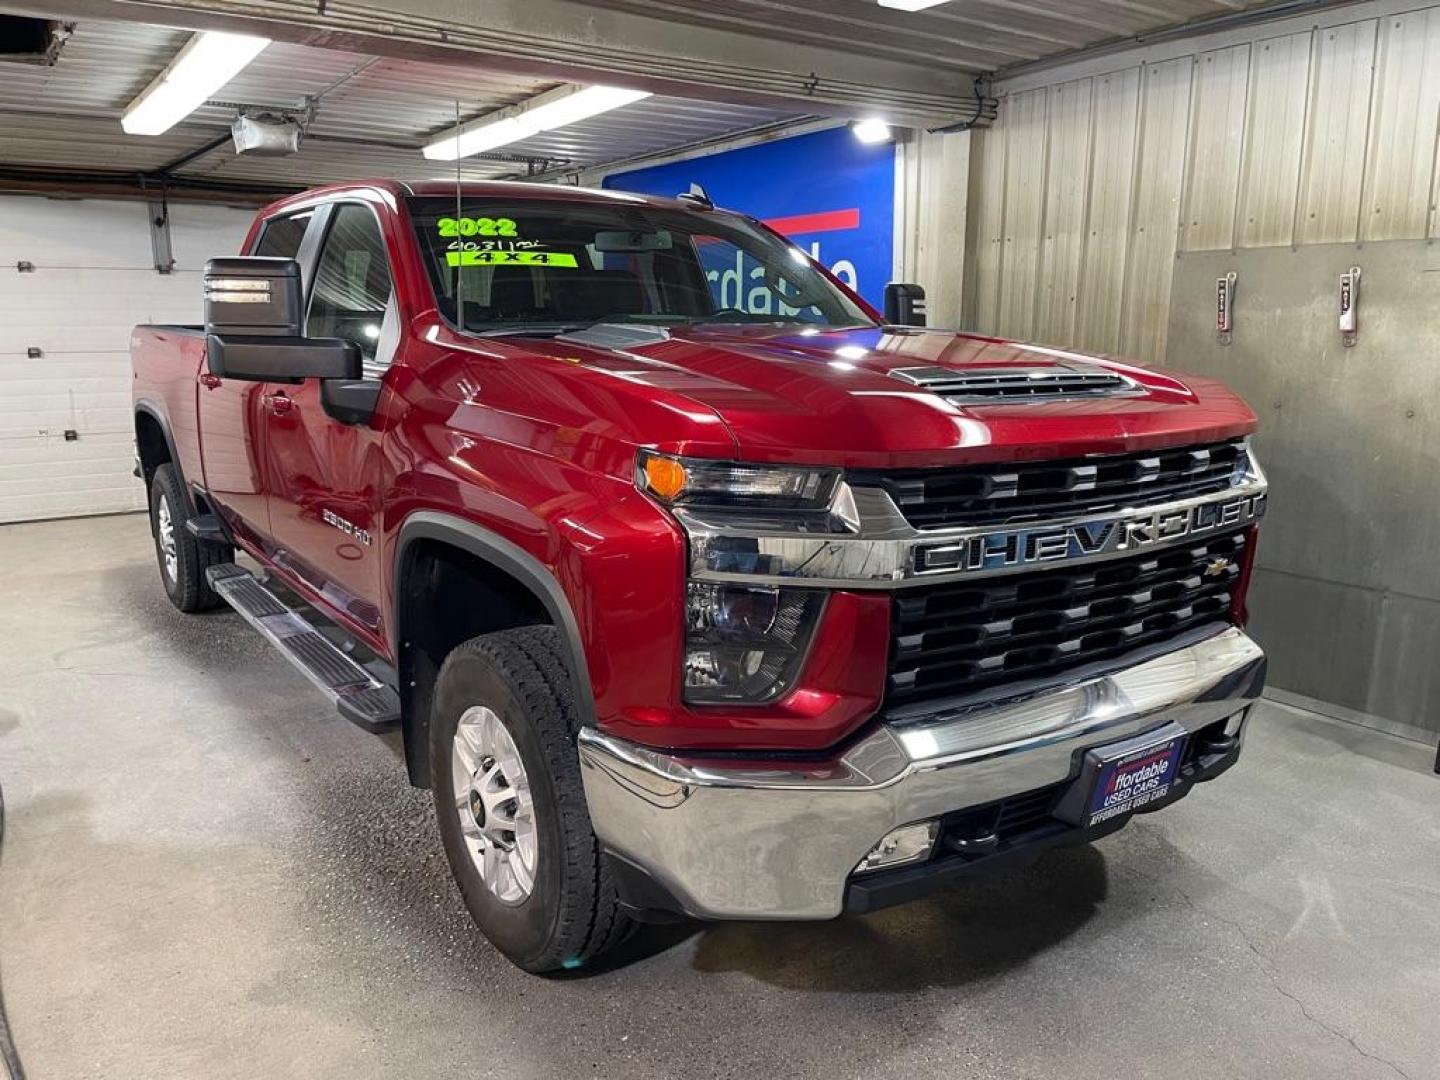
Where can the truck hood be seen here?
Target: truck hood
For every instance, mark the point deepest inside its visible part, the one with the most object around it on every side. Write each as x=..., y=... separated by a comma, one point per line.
x=834, y=397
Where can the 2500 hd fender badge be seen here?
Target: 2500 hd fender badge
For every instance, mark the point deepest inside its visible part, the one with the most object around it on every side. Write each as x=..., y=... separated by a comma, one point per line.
x=1087, y=539
x=359, y=535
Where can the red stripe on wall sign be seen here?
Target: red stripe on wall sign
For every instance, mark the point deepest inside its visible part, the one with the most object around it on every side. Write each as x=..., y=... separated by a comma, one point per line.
x=827, y=221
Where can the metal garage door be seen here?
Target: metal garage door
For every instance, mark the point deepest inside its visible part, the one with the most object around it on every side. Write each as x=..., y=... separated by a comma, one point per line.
x=65, y=430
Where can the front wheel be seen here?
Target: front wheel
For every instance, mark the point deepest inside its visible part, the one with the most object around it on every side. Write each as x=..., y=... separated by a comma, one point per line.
x=183, y=559
x=512, y=813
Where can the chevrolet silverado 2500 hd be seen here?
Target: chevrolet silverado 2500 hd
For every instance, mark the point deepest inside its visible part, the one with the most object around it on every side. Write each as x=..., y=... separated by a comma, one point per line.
x=693, y=587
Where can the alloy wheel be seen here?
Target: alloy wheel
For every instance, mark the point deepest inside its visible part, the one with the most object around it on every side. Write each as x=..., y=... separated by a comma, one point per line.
x=493, y=801
x=165, y=529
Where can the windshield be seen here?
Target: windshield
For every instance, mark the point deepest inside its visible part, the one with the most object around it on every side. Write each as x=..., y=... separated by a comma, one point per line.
x=549, y=266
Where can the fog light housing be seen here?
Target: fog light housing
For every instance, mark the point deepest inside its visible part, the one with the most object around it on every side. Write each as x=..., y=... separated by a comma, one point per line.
x=745, y=644
x=1236, y=722
x=900, y=847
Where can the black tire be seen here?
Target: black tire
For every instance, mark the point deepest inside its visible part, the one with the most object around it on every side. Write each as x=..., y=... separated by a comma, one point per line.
x=187, y=586
x=572, y=913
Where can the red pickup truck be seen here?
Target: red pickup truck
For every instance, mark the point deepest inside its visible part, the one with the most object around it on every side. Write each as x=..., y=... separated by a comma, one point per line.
x=693, y=586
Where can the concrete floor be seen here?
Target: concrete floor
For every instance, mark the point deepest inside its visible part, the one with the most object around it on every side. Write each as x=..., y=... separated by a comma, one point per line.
x=208, y=874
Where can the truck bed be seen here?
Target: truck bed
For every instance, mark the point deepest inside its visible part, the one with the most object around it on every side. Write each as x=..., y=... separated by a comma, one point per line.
x=166, y=360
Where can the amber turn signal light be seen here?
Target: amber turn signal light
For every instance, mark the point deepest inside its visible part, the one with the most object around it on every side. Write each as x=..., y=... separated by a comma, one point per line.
x=665, y=477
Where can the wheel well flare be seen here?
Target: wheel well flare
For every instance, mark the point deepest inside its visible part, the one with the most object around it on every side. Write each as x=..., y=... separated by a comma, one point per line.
x=446, y=596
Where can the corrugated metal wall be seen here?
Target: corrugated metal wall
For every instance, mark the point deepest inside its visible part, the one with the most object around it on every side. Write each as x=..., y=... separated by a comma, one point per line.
x=932, y=178
x=1085, y=189
x=1114, y=192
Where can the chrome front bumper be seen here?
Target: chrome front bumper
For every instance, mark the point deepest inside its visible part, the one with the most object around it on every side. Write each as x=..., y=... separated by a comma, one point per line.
x=737, y=839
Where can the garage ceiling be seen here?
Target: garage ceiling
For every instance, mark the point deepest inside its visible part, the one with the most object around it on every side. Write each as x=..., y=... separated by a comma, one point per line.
x=387, y=77
x=970, y=35
x=374, y=114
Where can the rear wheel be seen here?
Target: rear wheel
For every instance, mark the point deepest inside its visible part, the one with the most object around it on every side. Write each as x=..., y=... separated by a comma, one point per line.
x=183, y=559
x=511, y=808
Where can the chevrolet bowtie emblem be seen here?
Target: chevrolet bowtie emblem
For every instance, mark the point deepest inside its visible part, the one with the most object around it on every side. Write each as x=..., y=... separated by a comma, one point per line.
x=1216, y=567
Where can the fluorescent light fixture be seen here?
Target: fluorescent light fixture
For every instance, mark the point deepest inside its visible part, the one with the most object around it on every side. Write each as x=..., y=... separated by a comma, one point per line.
x=872, y=131
x=207, y=62
x=556, y=109
x=909, y=5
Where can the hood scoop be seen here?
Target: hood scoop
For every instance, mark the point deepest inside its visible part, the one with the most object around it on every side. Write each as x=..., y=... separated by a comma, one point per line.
x=1011, y=383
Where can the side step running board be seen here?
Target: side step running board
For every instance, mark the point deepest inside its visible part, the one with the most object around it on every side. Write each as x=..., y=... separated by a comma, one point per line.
x=359, y=696
x=207, y=529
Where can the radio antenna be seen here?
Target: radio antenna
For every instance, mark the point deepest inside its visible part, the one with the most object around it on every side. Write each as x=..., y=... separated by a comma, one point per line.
x=459, y=255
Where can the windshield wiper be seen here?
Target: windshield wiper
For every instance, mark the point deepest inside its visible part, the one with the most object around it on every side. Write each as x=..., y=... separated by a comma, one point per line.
x=652, y=321
x=528, y=330
x=556, y=329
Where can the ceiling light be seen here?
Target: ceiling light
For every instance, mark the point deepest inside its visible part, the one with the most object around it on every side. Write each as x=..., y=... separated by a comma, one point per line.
x=206, y=63
x=872, y=131
x=474, y=140
x=556, y=109
x=909, y=5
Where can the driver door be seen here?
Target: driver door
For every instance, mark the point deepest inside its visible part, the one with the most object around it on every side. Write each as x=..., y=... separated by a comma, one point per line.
x=232, y=415
x=326, y=477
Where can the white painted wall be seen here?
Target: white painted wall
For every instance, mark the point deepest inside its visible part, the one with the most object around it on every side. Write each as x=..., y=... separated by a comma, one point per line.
x=94, y=279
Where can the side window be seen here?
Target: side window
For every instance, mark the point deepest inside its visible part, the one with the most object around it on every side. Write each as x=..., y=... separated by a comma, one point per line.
x=352, y=296
x=280, y=237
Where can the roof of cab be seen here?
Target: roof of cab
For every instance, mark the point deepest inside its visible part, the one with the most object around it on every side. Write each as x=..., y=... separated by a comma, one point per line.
x=478, y=189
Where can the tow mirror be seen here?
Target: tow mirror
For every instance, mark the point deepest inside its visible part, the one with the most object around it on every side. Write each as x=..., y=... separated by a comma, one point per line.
x=254, y=325
x=904, y=304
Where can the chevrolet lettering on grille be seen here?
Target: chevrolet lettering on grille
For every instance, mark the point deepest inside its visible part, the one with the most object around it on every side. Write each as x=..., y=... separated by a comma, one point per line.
x=1040, y=544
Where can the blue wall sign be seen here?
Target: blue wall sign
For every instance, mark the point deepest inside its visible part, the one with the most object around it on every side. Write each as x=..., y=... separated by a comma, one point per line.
x=828, y=192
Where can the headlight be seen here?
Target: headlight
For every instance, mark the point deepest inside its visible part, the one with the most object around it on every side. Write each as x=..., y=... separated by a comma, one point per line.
x=677, y=481
x=745, y=644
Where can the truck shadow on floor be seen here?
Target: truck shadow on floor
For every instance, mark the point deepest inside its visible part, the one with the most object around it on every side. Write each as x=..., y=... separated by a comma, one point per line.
x=971, y=931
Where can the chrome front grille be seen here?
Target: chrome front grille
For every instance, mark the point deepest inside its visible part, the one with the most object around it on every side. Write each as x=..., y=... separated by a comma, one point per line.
x=1031, y=491
x=954, y=639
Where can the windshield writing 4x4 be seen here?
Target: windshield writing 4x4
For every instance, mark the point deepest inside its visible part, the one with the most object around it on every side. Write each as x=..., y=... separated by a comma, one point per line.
x=548, y=265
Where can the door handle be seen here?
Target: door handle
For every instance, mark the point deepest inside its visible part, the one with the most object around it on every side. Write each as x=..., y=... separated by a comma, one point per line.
x=279, y=402
x=210, y=382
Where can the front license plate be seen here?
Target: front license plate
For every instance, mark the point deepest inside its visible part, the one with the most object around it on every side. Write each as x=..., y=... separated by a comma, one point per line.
x=1129, y=782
